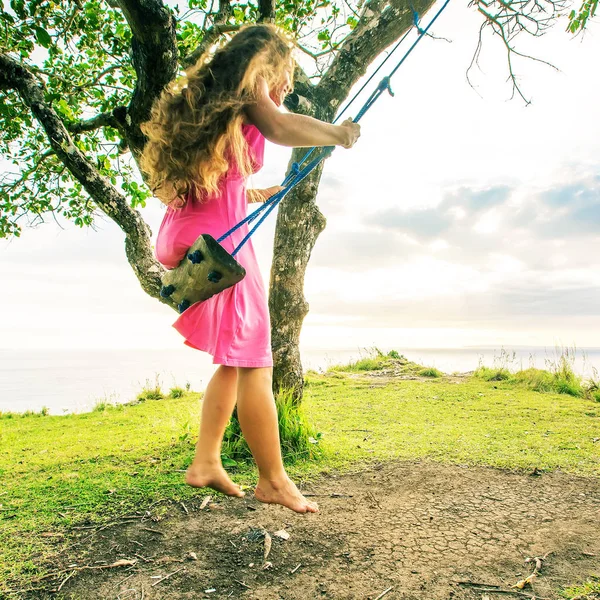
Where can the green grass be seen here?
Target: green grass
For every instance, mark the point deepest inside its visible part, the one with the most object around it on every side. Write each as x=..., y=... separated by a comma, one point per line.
x=559, y=378
x=590, y=590
x=299, y=439
x=430, y=372
x=151, y=393
x=376, y=360
x=58, y=471
x=364, y=364
x=492, y=374
x=492, y=423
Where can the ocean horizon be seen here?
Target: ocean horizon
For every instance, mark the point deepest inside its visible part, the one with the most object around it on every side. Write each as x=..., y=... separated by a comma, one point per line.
x=74, y=381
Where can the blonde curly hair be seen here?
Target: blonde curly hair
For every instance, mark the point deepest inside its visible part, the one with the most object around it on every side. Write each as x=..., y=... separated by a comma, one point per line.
x=194, y=132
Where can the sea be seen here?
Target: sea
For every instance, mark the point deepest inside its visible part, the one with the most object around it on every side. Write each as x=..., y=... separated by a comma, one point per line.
x=74, y=381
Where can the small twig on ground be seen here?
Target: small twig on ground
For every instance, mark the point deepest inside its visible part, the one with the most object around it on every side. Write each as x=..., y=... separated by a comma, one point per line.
x=101, y=527
x=384, y=592
x=153, y=530
x=267, y=545
x=122, y=562
x=205, y=502
x=242, y=583
x=295, y=568
x=494, y=589
x=371, y=497
x=167, y=576
x=538, y=562
x=65, y=580
x=187, y=512
x=123, y=580
x=144, y=558
x=512, y=592
x=332, y=495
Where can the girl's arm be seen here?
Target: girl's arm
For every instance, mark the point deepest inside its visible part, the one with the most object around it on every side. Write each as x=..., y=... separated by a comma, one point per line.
x=260, y=195
x=290, y=129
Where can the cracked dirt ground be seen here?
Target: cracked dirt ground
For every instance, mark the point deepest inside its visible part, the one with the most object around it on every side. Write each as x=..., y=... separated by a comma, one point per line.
x=419, y=528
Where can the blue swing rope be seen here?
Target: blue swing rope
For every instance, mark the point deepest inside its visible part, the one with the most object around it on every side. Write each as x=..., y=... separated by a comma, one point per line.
x=297, y=174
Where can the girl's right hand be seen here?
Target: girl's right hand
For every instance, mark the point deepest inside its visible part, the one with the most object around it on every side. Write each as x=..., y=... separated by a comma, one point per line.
x=350, y=133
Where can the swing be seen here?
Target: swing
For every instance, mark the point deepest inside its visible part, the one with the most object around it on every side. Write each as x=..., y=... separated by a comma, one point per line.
x=208, y=268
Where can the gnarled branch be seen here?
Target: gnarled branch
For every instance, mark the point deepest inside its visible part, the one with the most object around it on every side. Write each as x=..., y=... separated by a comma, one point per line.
x=509, y=18
x=266, y=11
x=381, y=23
x=106, y=119
x=154, y=58
x=211, y=35
x=137, y=241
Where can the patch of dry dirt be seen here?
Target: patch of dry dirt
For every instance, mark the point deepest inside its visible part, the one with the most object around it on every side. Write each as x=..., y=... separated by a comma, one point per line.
x=419, y=528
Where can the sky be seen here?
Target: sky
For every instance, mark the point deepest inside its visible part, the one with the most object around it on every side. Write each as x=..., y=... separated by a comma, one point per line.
x=460, y=218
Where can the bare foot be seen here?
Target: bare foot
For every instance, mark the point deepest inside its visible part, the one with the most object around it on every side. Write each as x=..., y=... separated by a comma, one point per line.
x=213, y=476
x=284, y=492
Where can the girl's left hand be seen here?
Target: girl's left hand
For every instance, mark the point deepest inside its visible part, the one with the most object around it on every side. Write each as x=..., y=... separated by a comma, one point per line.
x=255, y=195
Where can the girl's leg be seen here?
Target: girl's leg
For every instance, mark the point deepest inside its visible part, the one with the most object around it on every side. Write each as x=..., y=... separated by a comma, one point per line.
x=218, y=403
x=258, y=419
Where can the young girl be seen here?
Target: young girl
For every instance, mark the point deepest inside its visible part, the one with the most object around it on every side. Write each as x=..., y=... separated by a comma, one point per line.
x=206, y=134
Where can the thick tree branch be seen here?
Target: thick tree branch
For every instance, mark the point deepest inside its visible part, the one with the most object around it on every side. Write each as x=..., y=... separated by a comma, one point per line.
x=225, y=11
x=106, y=119
x=315, y=55
x=381, y=23
x=220, y=26
x=302, y=99
x=154, y=58
x=211, y=35
x=266, y=11
x=137, y=240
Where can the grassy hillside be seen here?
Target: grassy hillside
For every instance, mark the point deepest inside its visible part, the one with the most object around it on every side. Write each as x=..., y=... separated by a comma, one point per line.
x=63, y=471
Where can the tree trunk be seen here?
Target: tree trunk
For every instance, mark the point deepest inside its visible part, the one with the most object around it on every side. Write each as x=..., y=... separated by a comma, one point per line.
x=299, y=223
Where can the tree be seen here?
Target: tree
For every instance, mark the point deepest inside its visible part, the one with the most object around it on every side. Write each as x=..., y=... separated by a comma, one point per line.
x=78, y=78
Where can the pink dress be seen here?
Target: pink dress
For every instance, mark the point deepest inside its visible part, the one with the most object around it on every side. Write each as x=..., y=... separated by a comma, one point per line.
x=233, y=326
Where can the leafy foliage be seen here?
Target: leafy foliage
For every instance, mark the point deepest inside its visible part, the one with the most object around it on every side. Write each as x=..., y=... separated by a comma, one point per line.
x=81, y=53
x=579, y=19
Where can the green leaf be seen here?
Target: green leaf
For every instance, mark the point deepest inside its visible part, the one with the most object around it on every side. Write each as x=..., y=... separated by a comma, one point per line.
x=19, y=7
x=43, y=37
x=226, y=461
